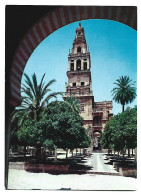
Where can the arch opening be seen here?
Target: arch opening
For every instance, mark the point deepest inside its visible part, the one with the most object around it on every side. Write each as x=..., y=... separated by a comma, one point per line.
x=78, y=64
x=79, y=50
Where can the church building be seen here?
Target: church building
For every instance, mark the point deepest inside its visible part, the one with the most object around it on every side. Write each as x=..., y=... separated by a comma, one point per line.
x=95, y=114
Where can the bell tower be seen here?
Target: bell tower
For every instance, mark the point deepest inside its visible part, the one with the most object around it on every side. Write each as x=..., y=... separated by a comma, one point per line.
x=79, y=76
x=95, y=114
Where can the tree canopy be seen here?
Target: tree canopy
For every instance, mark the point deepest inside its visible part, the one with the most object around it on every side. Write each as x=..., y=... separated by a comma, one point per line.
x=121, y=131
x=125, y=91
x=39, y=123
x=36, y=96
x=66, y=126
x=58, y=127
x=74, y=104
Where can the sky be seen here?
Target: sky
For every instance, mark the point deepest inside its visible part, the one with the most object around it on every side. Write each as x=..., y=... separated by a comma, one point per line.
x=113, y=52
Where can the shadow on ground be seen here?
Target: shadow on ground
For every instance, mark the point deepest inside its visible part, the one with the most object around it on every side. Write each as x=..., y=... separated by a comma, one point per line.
x=48, y=165
x=124, y=165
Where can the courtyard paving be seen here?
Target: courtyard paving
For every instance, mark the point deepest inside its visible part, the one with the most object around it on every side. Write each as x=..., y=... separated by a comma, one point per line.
x=20, y=179
x=99, y=163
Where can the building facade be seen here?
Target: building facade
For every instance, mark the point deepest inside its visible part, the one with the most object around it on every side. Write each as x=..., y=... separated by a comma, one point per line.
x=95, y=114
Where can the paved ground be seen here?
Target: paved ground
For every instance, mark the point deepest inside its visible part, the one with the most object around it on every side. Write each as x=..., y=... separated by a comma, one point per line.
x=98, y=163
x=20, y=179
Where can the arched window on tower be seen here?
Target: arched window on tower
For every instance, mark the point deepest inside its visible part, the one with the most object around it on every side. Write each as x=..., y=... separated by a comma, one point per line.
x=78, y=64
x=72, y=66
x=85, y=65
x=78, y=49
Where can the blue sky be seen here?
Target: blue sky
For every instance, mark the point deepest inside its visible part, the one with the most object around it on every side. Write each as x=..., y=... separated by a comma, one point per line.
x=113, y=50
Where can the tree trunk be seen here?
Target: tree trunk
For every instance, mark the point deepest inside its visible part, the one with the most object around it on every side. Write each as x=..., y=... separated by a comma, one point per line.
x=38, y=153
x=135, y=158
x=118, y=154
x=66, y=153
x=128, y=152
x=72, y=153
x=76, y=151
x=123, y=153
x=132, y=151
x=80, y=151
x=55, y=156
x=114, y=153
x=122, y=107
x=25, y=152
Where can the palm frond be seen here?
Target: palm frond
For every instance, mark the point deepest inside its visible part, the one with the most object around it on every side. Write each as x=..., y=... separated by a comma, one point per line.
x=29, y=83
x=35, y=85
x=125, y=90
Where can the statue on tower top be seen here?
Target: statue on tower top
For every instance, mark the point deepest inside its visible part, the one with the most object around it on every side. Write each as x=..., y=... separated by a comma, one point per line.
x=79, y=24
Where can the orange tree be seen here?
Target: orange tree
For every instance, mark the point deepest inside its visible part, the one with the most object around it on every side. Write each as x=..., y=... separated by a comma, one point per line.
x=121, y=131
x=58, y=127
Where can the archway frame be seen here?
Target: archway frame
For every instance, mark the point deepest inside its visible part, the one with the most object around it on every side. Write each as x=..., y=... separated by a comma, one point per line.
x=51, y=22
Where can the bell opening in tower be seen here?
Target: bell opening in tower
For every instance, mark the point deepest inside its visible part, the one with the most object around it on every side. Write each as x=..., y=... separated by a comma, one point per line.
x=78, y=64
x=85, y=65
x=79, y=50
x=72, y=66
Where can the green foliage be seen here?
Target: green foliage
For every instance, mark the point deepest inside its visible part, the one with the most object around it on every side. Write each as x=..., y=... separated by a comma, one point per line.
x=74, y=104
x=36, y=96
x=66, y=126
x=40, y=123
x=130, y=132
x=49, y=144
x=125, y=91
x=58, y=126
x=121, y=131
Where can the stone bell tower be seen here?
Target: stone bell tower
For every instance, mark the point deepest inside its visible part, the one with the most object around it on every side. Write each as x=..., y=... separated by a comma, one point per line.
x=95, y=114
x=79, y=76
